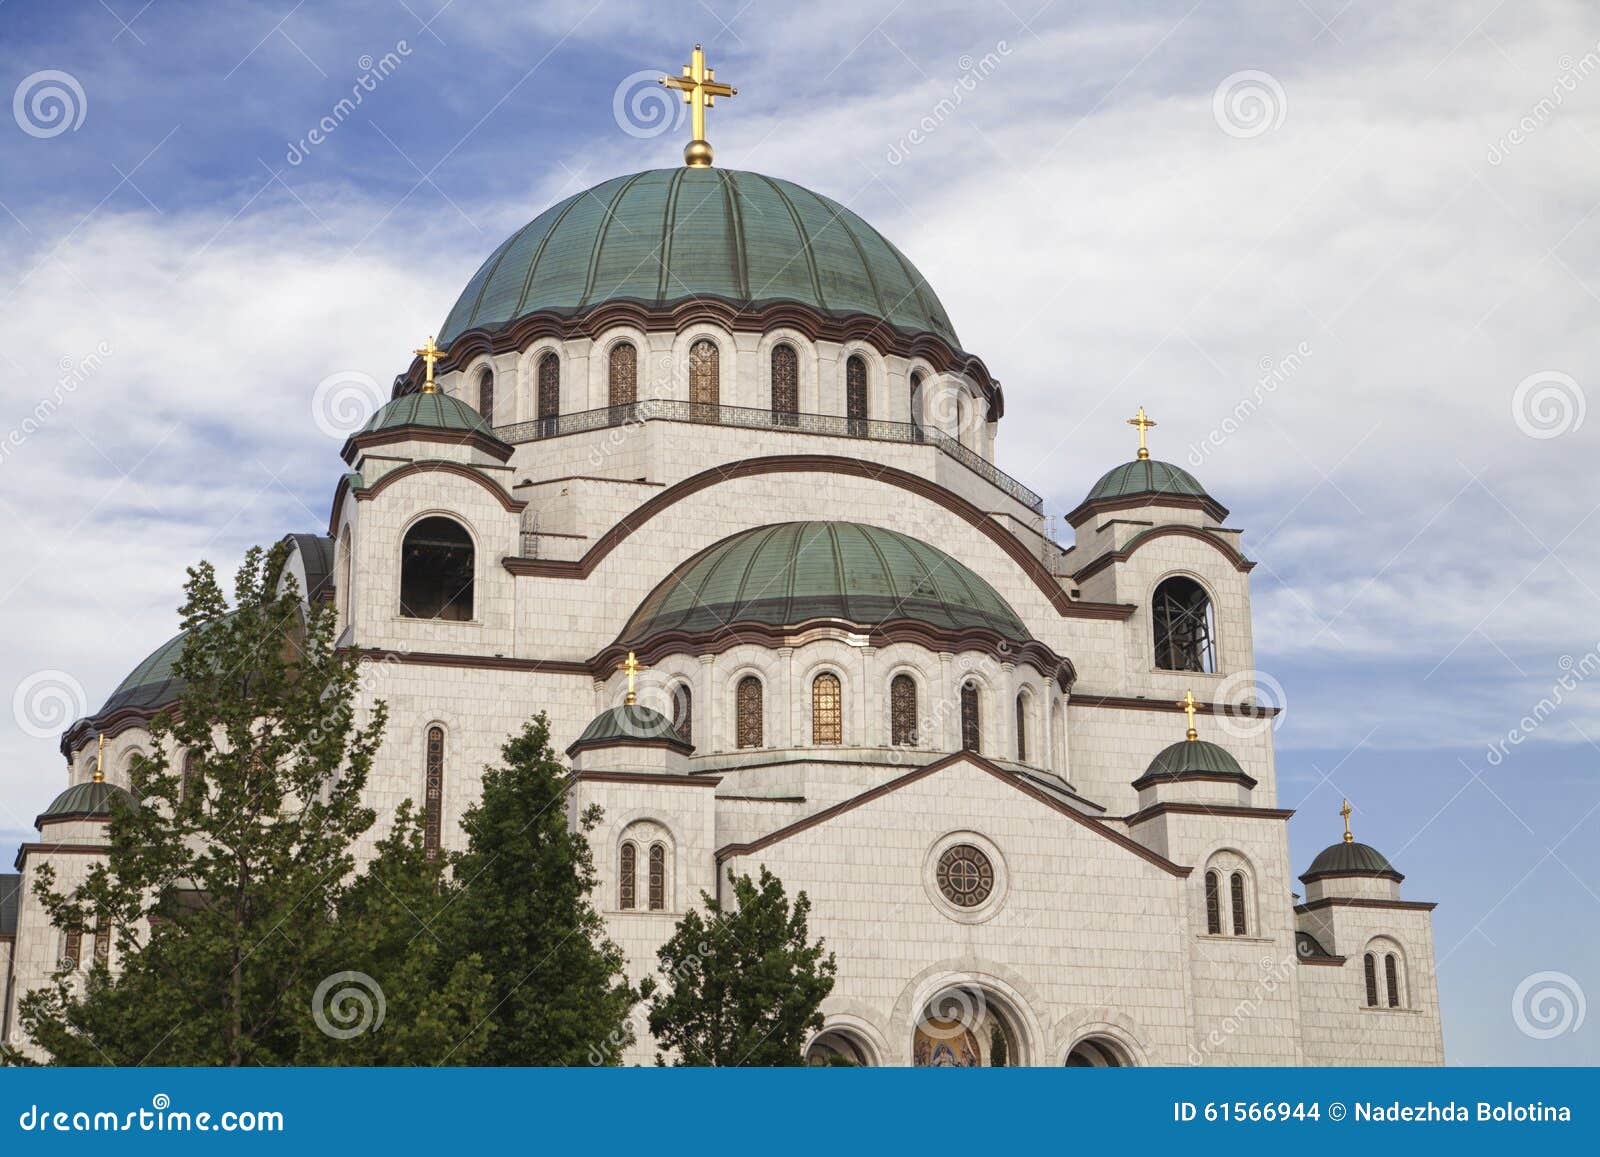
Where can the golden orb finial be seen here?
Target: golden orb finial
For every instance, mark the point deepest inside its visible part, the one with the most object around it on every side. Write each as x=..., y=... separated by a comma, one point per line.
x=1346, y=813
x=1189, y=708
x=1144, y=422
x=700, y=90
x=429, y=354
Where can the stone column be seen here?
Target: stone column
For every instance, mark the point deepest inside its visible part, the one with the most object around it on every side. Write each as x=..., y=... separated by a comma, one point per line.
x=785, y=711
x=706, y=693
x=868, y=731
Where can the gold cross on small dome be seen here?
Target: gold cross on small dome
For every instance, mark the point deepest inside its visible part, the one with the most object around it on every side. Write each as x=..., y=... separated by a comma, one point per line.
x=100, y=760
x=1144, y=422
x=1346, y=813
x=429, y=354
x=632, y=666
x=700, y=90
x=1189, y=708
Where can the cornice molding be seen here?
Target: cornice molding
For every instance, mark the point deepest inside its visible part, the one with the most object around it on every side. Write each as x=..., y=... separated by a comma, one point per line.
x=1366, y=902
x=1149, y=499
x=1145, y=537
x=433, y=466
x=477, y=439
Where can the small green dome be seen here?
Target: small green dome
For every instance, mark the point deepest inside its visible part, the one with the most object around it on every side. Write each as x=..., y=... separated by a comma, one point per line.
x=84, y=799
x=1145, y=476
x=1193, y=757
x=438, y=411
x=1342, y=858
x=631, y=723
x=795, y=572
x=666, y=236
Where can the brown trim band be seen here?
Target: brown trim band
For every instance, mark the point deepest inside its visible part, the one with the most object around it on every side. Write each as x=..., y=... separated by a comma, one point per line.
x=645, y=777
x=1391, y=874
x=432, y=466
x=1239, y=562
x=477, y=439
x=1233, y=811
x=1130, y=703
x=1149, y=779
x=811, y=323
x=731, y=850
x=1327, y=961
x=60, y=849
x=68, y=817
x=482, y=662
x=1143, y=501
x=827, y=464
x=1364, y=902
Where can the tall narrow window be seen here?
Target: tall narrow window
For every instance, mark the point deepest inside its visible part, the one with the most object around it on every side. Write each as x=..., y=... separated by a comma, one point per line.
x=785, y=385
x=683, y=711
x=191, y=774
x=705, y=374
x=903, y=710
x=341, y=592
x=549, y=400
x=72, y=949
x=486, y=396
x=1391, y=974
x=627, y=872
x=827, y=710
x=971, y=732
x=1372, y=980
x=102, y=939
x=436, y=571
x=855, y=395
x=433, y=792
x=1213, y=904
x=748, y=712
x=916, y=405
x=1236, y=896
x=658, y=877
x=1022, y=729
x=1183, y=627
x=623, y=375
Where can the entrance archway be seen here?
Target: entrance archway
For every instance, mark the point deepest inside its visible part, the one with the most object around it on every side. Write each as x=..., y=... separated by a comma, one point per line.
x=839, y=1046
x=967, y=1025
x=1098, y=1052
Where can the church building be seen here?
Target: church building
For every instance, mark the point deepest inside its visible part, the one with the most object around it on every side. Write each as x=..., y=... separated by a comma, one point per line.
x=699, y=467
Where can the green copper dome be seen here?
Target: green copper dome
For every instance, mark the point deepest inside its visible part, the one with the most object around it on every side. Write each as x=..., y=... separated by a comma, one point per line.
x=1146, y=476
x=84, y=799
x=152, y=683
x=631, y=723
x=1359, y=859
x=795, y=572
x=437, y=411
x=671, y=235
x=1193, y=757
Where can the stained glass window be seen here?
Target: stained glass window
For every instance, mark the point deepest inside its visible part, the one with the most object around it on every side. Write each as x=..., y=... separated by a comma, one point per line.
x=433, y=792
x=903, y=710
x=1372, y=981
x=486, y=396
x=1236, y=895
x=970, y=730
x=549, y=401
x=658, y=877
x=748, y=712
x=1213, y=904
x=627, y=867
x=623, y=371
x=102, y=939
x=785, y=384
x=1391, y=973
x=827, y=710
x=965, y=876
x=683, y=711
x=855, y=395
x=72, y=949
x=704, y=373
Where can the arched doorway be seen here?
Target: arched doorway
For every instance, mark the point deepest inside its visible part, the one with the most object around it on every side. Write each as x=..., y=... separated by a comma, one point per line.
x=839, y=1047
x=965, y=1025
x=1098, y=1052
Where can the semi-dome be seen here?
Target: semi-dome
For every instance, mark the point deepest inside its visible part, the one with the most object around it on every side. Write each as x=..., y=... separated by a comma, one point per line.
x=632, y=723
x=1350, y=859
x=795, y=572
x=91, y=800
x=666, y=236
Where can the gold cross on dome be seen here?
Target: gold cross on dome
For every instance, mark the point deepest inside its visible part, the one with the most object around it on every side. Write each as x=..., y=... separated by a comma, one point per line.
x=632, y=666
x=1346, y=813
x=100, y=760
x=1144, y=422
x=700, y=90
x=429, y=354
x=1189, y=708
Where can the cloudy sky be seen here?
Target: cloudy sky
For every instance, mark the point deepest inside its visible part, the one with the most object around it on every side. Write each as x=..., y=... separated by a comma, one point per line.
x=1347, y=254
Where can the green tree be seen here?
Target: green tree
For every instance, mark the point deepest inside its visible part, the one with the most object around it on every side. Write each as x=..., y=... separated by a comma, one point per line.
x=221, y=891
x=743, y=986
x=558, y=994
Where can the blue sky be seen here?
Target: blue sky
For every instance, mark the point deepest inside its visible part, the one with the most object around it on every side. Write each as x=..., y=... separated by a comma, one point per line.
x=1404, y=229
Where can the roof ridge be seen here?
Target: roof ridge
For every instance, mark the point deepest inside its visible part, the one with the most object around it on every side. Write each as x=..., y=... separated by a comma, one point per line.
x=600, y=237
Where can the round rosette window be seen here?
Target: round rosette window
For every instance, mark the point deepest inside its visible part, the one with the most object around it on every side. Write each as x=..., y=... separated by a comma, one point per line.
x=966, y=877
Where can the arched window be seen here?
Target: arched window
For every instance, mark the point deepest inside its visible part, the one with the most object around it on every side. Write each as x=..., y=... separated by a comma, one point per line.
x=1371, y=963
x=1183, y=627
x=623, y=375
x=916, y=405
x=855, y=395
x=1236, y=896
x=436, y=571
x=341, y=591
x=627, y=871
x=658, y=877
x=747, y=710
x=785, y=385
x=1022, y=729
x=433, y=792
x=549, y=399
x=683, y=711
x=486, y=396
x=705, y=374
x=1391, y=975
x=827, y=709
x=190, y=776
x=903, y=711
x=1213, y=904
x=971, y=732
x=72, y=949
x=102, y=938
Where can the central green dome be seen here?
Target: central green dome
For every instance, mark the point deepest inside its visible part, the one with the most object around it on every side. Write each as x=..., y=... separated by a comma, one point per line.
x=666, y=236
x=795, y=572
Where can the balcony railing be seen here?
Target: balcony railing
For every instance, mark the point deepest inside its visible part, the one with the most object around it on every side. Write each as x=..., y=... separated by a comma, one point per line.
x=749, y=418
